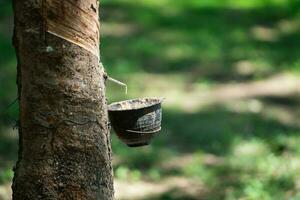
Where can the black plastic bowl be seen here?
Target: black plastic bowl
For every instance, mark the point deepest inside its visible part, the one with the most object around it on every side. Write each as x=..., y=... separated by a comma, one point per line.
x=136, y=121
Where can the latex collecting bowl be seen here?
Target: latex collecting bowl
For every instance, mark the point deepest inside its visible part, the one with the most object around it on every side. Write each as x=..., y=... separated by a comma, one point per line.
x=136, y=121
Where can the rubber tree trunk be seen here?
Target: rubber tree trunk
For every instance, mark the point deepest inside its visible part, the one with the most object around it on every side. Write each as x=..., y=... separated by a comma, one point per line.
x=64, y=145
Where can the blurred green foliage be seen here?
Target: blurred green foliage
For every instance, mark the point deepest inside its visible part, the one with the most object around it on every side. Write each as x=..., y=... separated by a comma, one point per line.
x=169, y=48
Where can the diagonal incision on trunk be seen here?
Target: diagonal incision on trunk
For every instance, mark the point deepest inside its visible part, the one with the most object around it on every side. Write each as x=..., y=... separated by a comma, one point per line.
x=67, y=20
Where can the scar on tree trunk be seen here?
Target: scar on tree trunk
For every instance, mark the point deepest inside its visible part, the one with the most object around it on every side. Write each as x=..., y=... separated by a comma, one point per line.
x=64, y=141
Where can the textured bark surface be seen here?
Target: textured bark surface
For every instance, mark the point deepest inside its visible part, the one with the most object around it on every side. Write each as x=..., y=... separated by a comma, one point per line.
x=64, y=148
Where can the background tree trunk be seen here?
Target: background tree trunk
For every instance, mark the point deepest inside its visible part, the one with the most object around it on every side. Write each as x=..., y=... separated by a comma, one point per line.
x=64, y=146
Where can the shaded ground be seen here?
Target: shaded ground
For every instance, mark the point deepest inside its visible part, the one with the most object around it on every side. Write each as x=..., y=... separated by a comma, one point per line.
x=230, y=73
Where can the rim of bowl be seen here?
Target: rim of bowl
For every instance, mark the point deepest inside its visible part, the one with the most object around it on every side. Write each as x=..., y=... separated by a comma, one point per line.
x=156, y=100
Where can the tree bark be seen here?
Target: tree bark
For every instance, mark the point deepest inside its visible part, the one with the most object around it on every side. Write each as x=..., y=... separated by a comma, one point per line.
x=64, y=141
